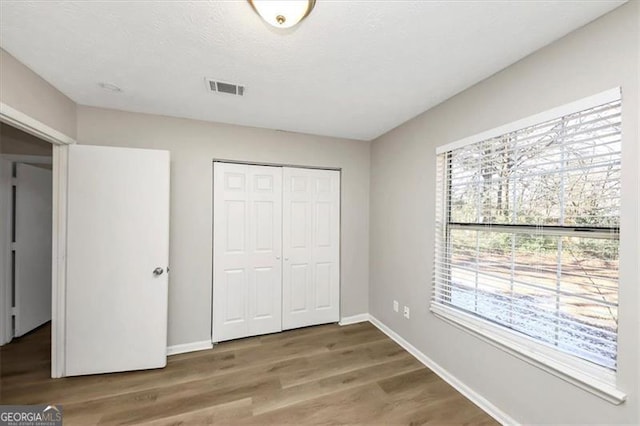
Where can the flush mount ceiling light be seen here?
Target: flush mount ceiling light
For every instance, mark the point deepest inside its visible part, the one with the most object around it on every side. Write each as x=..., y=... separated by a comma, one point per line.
x=282, y=13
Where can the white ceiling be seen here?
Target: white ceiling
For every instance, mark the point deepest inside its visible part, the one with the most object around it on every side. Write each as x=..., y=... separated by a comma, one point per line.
x=353, y=69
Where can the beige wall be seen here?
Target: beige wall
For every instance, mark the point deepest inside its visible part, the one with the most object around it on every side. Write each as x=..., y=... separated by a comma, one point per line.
x=193, y=146
x=17, y=142
x=597, y=57
x=25, y=91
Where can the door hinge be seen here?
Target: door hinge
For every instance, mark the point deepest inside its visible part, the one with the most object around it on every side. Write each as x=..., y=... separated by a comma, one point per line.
x=13, y=246
x=14, y=181
x=14, y=311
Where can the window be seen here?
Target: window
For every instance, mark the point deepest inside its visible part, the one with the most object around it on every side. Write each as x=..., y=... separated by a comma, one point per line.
x=527, y=227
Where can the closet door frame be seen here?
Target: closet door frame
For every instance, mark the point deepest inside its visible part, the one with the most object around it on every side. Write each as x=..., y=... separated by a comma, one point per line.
x=283, y=165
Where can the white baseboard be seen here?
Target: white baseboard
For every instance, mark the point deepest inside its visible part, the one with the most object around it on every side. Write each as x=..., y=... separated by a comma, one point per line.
x=354, y=319
x=189, y=347
x=472, y=395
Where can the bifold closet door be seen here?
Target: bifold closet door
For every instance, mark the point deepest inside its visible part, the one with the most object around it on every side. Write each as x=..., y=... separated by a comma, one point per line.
x=247, y=282
x=311, y=246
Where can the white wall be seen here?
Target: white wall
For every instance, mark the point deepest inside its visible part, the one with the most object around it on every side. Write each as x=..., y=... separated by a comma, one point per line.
x=599, y=56
x=17, y=142
x=27, y=92
x=193, y=146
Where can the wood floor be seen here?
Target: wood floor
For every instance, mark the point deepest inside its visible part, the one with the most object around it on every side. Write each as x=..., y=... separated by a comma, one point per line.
x=319, y=375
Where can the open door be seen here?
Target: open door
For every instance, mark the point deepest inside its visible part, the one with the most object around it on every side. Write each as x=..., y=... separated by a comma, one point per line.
x=117, y=258
x=32, y=248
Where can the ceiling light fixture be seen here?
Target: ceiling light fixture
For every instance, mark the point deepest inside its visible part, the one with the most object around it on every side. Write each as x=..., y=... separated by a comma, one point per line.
x=282, y=13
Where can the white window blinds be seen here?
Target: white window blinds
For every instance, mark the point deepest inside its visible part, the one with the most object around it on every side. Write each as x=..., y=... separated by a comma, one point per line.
x=527, y=227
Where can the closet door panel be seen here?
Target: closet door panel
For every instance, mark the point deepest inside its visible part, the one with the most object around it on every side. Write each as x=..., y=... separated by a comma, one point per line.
x=265, y=230
x=311, y=276
x=299, y=273
x=247, y=248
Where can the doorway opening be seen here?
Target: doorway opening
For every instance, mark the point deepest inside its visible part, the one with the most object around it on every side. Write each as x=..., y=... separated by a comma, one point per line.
x=26, y=202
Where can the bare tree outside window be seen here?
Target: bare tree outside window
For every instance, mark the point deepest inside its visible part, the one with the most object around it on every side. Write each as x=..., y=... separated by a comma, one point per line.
x=531, y=232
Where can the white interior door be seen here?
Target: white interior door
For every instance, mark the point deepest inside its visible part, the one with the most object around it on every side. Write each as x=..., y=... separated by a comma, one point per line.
x=117, y=257
x=32, y=247
x=311, y=245
x=247, y=281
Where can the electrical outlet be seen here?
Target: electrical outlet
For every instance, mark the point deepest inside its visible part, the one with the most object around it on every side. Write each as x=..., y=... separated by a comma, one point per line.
x=407, y=313
x=396, y=306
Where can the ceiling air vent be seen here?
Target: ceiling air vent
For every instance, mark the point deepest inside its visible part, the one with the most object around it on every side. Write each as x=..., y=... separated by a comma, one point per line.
x=224, y=87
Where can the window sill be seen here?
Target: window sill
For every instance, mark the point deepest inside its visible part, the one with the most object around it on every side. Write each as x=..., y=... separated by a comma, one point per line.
x=595, y=380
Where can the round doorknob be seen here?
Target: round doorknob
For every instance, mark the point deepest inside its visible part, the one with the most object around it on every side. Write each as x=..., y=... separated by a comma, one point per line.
x=158, y=271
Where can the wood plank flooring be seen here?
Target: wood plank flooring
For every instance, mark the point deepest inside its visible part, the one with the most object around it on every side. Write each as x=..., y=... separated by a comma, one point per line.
x=318, y=375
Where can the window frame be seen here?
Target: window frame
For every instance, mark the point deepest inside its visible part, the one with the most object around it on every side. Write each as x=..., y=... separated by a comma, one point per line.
x=591, y=377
